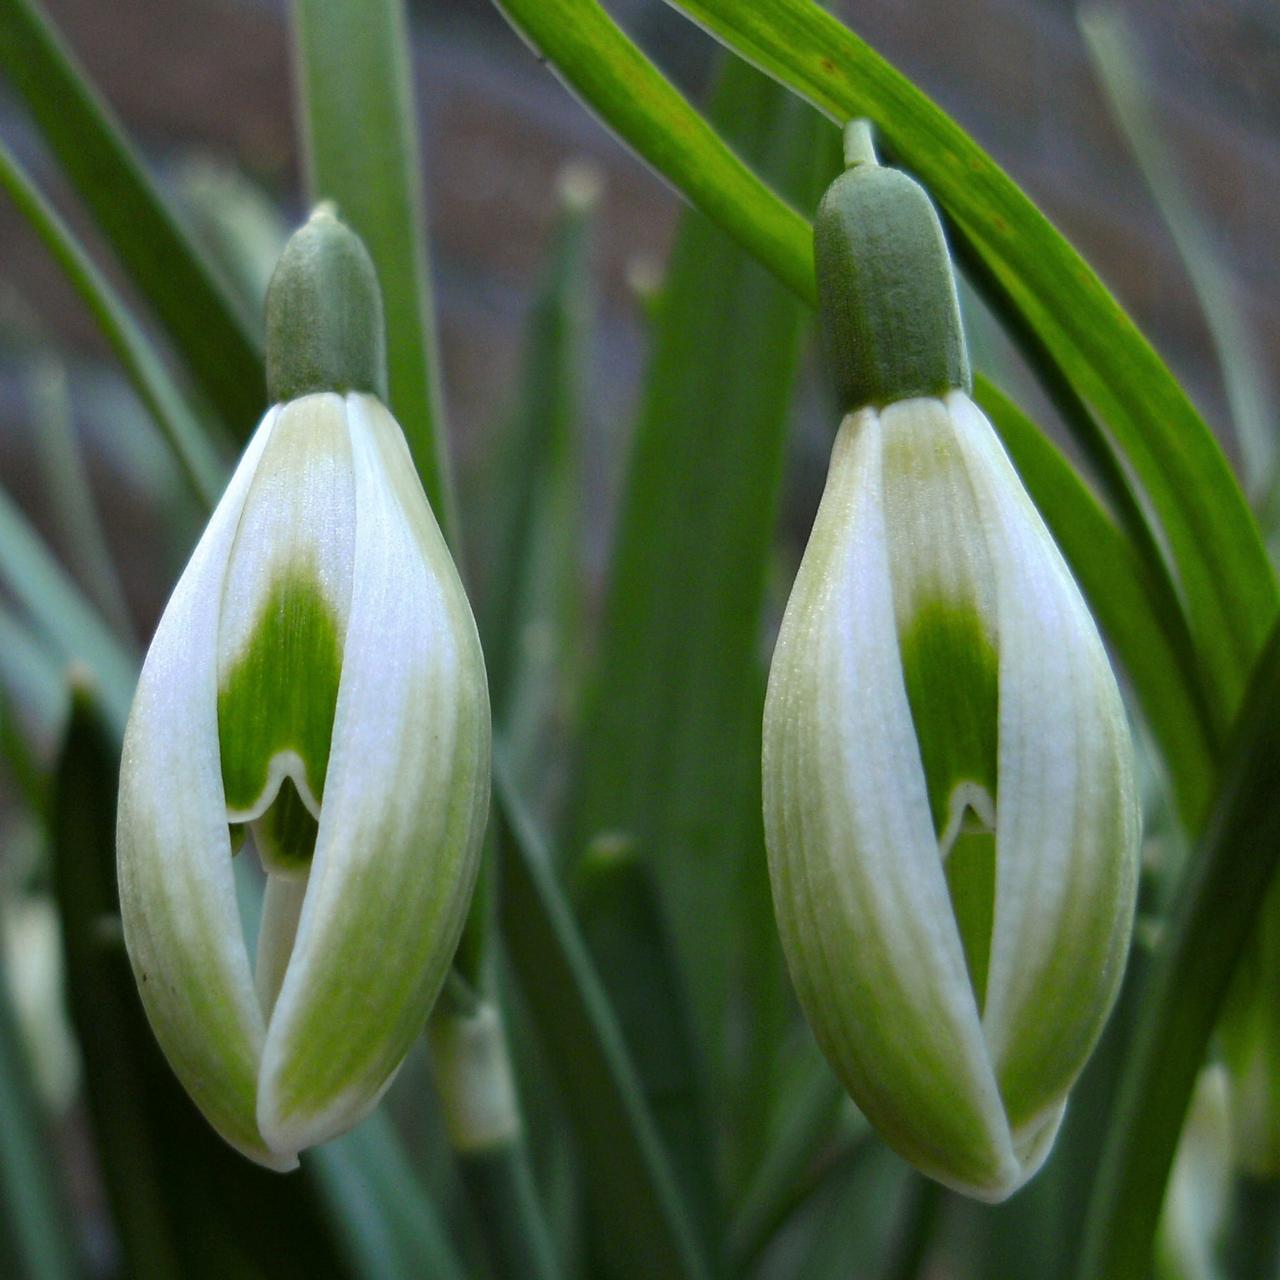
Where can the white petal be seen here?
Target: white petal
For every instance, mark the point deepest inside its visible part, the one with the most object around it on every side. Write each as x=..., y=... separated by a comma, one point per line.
x=861, y=897
x=405, y=802
x=1067, y=826
x=177, y=893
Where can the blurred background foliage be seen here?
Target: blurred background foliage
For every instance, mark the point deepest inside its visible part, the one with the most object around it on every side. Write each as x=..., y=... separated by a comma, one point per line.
x=639, y=429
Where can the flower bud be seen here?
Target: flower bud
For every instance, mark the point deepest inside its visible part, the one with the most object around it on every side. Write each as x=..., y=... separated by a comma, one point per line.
x=316, y=677
x=949, y=800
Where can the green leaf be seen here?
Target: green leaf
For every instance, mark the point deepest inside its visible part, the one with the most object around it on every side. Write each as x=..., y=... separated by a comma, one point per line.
x=617, y=909
x=531, y=615
x=1199, y=951
x=37, y=1240
x=197, y=458
x=219, y=342
x=360, y=131
x=32, y=689
x=614, y=79
x=390, y=1230
x=1149, y=638
x=66, y=485
x=1228, y=584
x=184, y=1203
x=644, y=1222
x=670, y=755
x=55, y=604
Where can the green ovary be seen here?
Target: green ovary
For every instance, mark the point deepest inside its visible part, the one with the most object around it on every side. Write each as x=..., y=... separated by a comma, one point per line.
x=279, y=698
x=952, y=678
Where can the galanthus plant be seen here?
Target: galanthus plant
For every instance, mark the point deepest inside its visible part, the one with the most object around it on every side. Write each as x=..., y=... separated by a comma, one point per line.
x=948, y=777
x=547, y=834
x=317, y=679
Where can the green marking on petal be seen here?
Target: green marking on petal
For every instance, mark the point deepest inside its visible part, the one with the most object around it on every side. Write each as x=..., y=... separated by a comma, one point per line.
x=971, y=877
x=953, y=685
x=286, y=834
x=280, y=695
x=952, y=676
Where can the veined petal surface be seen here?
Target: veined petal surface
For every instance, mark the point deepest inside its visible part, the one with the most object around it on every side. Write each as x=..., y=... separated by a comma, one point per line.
x=177, y=895
x=859, y=885
x=405, y=802
x=942, y=720
x=1068, y=827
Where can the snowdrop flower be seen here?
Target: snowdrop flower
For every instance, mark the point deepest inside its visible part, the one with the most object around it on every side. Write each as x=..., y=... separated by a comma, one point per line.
x=316, y=678
x=949, y=801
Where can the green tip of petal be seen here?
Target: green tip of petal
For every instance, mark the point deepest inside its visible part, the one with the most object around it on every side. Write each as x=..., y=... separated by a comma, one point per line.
x=324, y=314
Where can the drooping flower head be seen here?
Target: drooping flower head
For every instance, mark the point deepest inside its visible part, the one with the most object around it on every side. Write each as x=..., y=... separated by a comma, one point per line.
x=316, y=678
x=948, y=780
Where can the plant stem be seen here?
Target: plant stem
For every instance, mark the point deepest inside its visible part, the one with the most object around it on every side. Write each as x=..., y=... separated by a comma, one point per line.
x=914, y=1240
x=477, y=1093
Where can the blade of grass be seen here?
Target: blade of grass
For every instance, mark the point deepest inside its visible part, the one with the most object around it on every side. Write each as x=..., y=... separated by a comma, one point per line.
x=616, y=904
x=55, y=604
x=644, y=1222
x=196, y=456
x=66, y=483
x=1228, y=583
x=530, y=620
x=670, y=753
x=597, y=62
x=219, y=342
x=1118, y=65
x=390, y=1228
x=1204, y=940
x=39, y=1240
x=360, y=131
x=33, y=686
x=807, y=1121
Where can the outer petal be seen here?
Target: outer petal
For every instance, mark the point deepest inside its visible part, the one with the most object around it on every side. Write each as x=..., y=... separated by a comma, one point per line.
x=405, y=802
x=858, y=884
x=177, y=896
x=1067, y=829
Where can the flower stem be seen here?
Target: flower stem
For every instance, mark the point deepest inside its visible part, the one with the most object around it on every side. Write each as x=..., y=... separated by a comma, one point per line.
x=477, y=1094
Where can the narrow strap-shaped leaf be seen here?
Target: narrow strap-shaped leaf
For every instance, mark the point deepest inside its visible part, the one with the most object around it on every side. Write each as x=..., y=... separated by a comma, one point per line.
x=670, y=755
x=219, y=342
x=32, y=686
x=360, y=131
x=644, y=1222
x=390, y=1229
x=196, y=457
x=614, y=79
x=36, y=1239
x=66, y=484
x=29, y=571
x=533, y=570
x=1229, y=586
x=1125, y=602
x=1200, y=948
